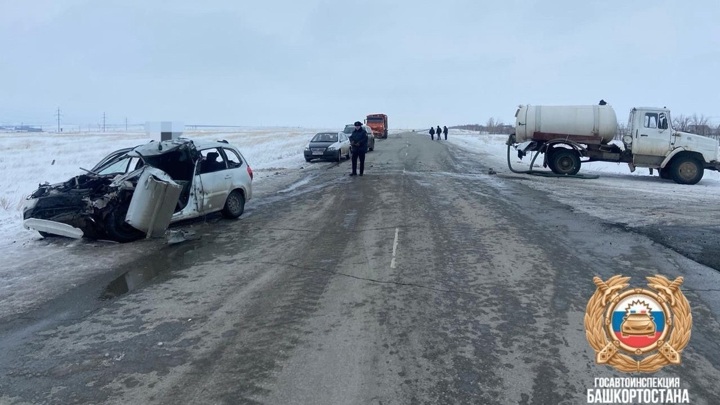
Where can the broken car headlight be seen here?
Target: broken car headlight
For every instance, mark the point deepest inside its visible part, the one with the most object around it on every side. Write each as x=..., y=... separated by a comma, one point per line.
x=30, y=203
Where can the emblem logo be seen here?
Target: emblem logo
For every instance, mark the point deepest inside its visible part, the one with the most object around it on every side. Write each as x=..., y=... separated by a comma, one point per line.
x=623, y=325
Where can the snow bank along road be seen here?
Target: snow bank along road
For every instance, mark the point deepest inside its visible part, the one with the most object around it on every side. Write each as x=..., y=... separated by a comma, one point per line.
x=425, y=281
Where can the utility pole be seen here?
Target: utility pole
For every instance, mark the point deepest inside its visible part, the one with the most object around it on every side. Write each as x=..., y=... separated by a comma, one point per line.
x=57, y=114
x=125, y=124
x=103, y=122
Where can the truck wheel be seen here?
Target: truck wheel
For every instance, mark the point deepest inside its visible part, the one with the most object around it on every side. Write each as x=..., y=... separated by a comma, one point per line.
x=550, y=160
x=664, y=172
x=686, y=170
x=564, y=161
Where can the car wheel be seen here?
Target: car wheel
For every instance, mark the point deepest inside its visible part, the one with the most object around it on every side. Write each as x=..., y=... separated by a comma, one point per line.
x=565, y=161
x=308, y=160
x=118, y=230
x=372, y=145
x=234, y=205
x=339, y=156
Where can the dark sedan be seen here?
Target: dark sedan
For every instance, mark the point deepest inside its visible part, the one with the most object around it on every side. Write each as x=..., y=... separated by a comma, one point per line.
x=328, y=146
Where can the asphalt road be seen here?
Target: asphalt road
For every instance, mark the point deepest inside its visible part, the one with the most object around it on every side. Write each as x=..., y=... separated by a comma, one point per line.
x=426, y=281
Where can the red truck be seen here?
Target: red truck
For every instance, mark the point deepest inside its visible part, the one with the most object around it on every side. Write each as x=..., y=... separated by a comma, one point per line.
x=378, y=123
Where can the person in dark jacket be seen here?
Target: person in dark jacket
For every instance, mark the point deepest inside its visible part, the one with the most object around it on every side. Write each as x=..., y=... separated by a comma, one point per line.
x=359, y=145
x=438, y=132
x=432, y=133
x=445, y=131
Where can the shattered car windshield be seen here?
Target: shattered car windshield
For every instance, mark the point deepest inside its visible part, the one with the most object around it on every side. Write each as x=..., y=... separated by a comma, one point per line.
x=124, y=165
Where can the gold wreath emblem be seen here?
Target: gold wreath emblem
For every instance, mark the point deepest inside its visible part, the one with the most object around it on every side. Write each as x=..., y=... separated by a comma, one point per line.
x=610, y=352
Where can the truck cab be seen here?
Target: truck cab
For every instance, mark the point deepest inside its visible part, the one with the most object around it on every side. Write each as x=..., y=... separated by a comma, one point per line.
x=650, y=137
x=679, y=155
x=379, y=124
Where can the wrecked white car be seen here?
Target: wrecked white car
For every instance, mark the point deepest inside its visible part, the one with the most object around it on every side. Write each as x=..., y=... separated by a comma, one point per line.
x=138, y=192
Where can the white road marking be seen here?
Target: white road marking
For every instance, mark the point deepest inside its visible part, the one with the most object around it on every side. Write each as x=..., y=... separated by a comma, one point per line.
x=395, y=243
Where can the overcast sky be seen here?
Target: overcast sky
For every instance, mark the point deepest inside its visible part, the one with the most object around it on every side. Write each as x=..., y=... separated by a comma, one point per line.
x=324, y=63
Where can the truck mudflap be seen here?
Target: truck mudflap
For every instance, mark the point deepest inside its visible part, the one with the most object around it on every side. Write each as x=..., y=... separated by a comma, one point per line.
x=153, y=202
x=53, y=227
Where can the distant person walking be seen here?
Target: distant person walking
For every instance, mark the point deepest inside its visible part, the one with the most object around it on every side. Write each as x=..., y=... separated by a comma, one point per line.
x=432, y=133
x=445, y=131
x=439, y=131
x=359, y=145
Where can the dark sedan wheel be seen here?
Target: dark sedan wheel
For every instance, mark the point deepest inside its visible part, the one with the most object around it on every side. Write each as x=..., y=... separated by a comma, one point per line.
x=234, y=205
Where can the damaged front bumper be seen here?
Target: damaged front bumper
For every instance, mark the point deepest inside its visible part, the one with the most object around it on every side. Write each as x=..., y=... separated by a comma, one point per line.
x=53, y=227
x=124, y=208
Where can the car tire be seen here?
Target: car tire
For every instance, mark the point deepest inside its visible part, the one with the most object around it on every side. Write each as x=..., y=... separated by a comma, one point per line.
x=372, y=147
x=234, y=205
x=308, y=160
x=118, y=230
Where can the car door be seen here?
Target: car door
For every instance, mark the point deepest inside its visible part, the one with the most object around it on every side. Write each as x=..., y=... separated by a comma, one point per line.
x=213, y=180
x=237, y=171
x=344, y=143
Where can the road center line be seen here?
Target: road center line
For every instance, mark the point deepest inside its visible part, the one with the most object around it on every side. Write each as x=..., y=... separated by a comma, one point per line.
x=395, y=243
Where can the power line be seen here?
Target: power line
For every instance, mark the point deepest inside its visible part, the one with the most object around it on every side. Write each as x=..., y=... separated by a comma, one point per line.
x=58, y=119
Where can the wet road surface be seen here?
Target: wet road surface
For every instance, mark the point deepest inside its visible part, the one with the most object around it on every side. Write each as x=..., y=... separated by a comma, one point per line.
x=425, y=281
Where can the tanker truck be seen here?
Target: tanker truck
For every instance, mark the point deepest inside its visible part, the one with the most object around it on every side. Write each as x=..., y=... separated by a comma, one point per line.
x=569, y=136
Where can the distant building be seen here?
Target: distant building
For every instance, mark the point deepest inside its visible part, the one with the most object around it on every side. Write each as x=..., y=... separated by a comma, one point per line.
x=26, y=128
